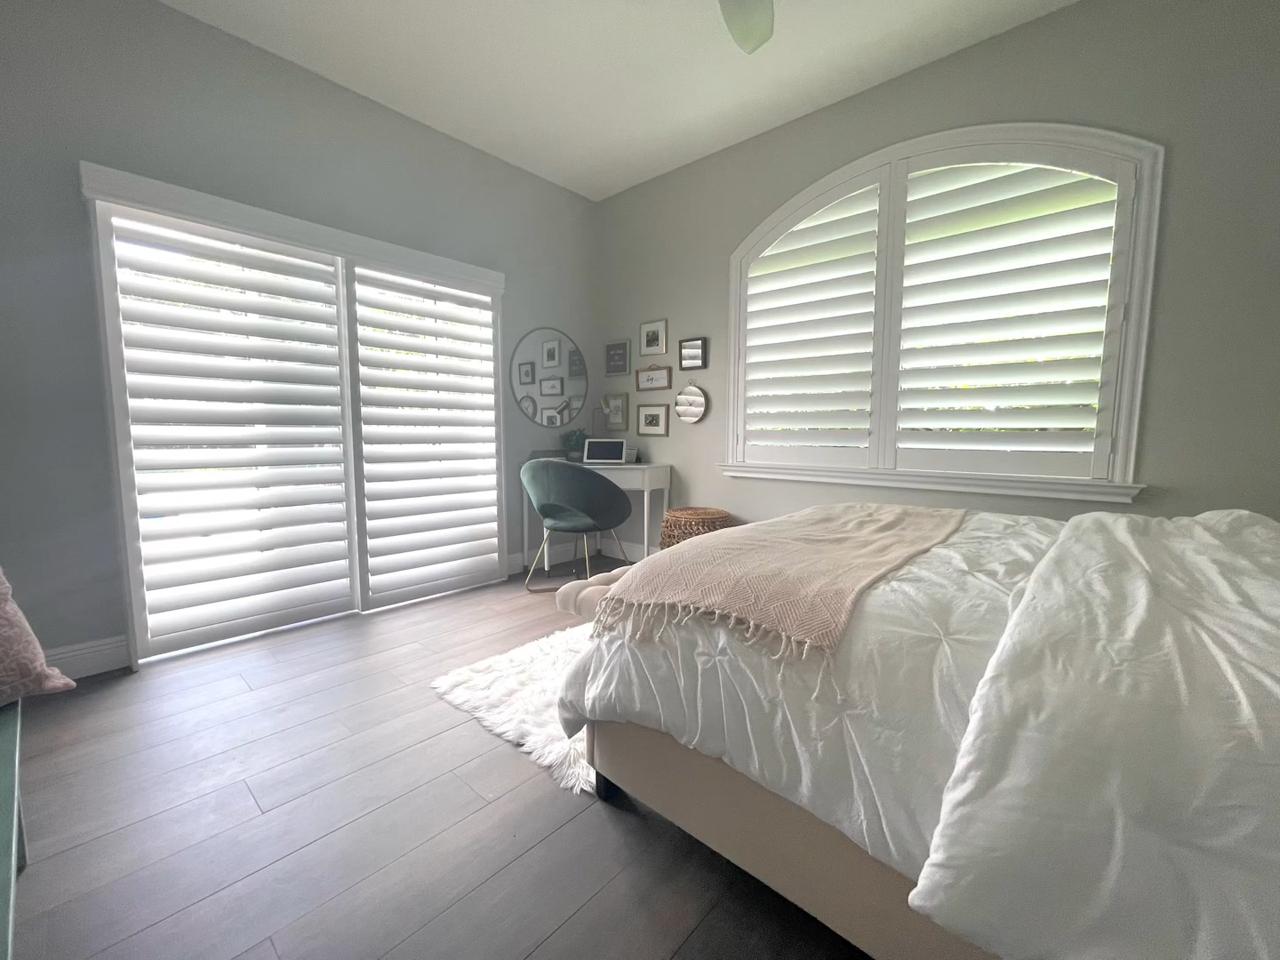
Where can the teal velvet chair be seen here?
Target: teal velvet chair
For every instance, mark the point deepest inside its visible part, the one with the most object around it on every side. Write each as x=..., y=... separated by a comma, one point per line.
x=574, y=500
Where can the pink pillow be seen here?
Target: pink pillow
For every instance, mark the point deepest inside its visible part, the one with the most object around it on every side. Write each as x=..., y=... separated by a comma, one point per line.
x=23, y=670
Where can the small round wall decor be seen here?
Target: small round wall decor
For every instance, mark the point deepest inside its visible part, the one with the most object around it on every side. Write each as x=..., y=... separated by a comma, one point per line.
x=691, y=404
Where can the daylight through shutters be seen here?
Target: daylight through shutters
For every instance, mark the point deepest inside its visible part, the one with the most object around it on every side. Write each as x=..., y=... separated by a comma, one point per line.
x=810, y=301
x=300, y=433
x=427, y=395
x=1004, y=307
x=963, y=311
x=234, y=401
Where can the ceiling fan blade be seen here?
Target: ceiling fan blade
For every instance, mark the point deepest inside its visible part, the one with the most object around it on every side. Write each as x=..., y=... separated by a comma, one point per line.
x=750, y=22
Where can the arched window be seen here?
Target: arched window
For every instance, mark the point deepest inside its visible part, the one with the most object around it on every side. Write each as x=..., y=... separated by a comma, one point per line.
x=963, y=311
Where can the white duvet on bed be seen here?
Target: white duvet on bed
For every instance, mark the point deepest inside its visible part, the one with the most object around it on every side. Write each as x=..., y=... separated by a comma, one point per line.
x=1117, y=794
x=865, y=742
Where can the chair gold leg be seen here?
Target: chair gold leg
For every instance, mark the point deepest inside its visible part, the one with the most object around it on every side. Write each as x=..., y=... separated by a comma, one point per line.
x=619, y=543
x=586, y=555
x=533, y=566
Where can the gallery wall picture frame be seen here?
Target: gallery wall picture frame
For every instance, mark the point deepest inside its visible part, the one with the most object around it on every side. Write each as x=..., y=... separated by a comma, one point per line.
x=652, y=419
x=550, y=418
x=693, y=353
x=526, y=373
x=550, y=354
x=551, y=386
x=577, y=363
x=653, y=377
x=617, y=358
x=615, y=410
x=653, y=338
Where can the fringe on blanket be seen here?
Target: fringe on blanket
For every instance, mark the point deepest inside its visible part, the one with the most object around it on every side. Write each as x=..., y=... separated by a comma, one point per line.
x=647, y=622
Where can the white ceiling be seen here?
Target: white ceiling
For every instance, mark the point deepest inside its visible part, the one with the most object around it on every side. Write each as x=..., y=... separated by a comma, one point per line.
x=598, y=95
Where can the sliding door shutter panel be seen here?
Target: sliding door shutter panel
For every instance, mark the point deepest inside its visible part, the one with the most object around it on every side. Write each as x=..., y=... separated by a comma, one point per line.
x=807, y=349
x=231, y=364
x=304, y=421
x=1004, y=309
x=429, y=436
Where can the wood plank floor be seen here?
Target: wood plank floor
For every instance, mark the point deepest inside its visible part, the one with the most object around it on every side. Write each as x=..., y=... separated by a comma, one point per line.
x=307, y=795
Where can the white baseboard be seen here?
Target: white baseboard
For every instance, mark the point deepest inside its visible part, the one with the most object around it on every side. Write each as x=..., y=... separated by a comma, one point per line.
x=563, y=552
x=85, y=659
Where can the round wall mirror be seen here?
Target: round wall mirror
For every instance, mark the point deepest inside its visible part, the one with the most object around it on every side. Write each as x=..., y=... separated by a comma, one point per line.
x=549, y=377
x=691, y=404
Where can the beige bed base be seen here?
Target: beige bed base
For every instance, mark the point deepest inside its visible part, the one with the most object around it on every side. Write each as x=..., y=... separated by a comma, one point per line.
x=807, y=861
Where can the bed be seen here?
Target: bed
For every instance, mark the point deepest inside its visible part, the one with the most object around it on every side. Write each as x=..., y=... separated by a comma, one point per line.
x=829, y=777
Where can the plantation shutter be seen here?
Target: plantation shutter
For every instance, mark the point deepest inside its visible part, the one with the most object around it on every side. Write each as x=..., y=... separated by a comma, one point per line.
x=810, y=311
x=232, y=371
x=427, y=415
x=1004, y=308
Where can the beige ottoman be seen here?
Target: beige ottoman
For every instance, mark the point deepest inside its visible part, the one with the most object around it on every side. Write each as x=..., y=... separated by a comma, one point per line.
x=582, y=596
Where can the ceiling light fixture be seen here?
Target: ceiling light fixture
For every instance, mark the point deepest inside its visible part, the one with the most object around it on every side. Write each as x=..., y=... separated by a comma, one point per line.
x=750, y=22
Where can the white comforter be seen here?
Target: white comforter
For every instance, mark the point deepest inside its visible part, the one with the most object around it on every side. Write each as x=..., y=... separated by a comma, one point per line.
x=1117, y=793
x=866, y=742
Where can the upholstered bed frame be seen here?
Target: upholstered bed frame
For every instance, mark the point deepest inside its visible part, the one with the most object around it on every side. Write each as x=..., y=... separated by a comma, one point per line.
x=807, y=861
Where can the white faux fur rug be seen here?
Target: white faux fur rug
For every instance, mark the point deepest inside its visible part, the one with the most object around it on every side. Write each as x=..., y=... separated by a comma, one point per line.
x=515, y=694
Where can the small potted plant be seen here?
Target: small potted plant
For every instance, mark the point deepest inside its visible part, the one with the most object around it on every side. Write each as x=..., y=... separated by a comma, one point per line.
x=573, y=441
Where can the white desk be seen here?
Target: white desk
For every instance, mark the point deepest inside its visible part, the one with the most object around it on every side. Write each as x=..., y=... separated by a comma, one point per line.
x=642, y=478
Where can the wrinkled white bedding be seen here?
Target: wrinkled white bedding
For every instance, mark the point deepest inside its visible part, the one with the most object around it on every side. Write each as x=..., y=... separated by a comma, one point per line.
x=1117, y=793
x=865, y=742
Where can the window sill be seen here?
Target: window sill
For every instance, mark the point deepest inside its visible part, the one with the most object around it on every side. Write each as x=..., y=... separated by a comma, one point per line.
x=1056, y=488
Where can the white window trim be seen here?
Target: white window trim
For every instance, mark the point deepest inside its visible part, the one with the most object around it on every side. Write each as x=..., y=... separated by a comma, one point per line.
x=108, y=191
x=1138, y=161
x=115, y=186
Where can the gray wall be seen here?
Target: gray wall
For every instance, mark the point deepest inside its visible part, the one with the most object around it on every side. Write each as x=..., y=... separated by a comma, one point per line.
x=134, y=85
x=137, y=86
x=1203, y=79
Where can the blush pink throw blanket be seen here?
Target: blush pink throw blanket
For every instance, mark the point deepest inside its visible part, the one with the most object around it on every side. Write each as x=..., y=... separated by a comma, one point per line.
x=790, y=583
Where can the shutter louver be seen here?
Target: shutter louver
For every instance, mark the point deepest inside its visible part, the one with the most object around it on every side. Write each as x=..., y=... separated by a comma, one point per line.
x=810, y=301
x=1004, y=308
x=231, y=366
x=427, y=398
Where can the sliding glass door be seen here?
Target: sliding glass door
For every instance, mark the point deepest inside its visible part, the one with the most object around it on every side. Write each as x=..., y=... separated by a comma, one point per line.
x=429, y=436
x=298, y=434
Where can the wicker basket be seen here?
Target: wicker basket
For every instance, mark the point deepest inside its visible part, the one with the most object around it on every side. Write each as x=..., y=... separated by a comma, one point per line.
x=681, y=523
